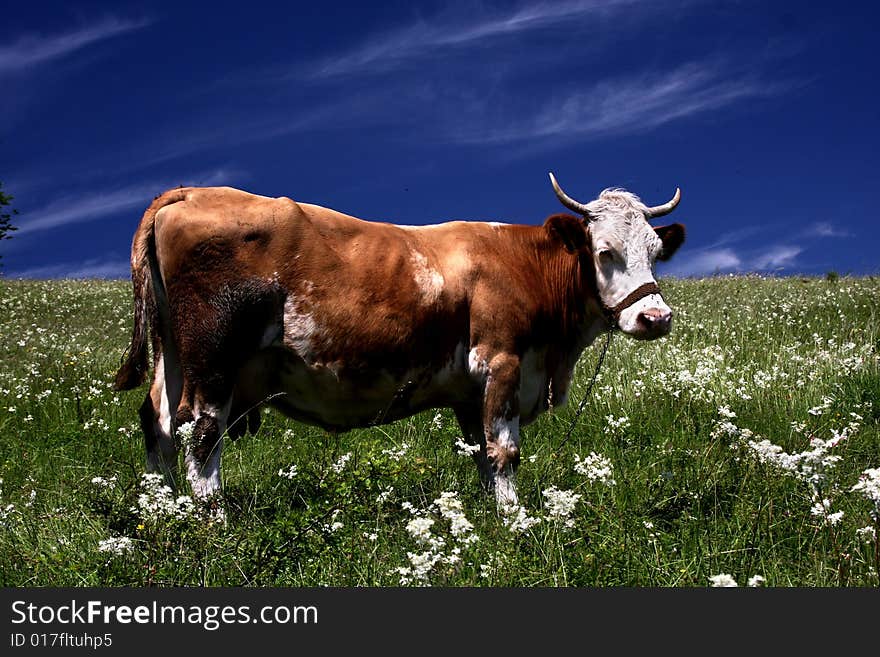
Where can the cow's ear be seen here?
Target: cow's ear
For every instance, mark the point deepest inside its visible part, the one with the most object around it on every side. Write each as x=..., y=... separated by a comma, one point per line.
x=569, y=230
x=672, y=237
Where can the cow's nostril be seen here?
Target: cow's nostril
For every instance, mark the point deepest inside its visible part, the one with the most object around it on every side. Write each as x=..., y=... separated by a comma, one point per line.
x=655, y=319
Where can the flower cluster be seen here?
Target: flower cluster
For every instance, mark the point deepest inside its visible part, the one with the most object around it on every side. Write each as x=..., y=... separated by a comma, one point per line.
x=595, y=467
x=156, y=501
x=437, y=548
x=869, y=486
x=116, y=546
x=725, y=580
x=560, y=505
x=288, y=473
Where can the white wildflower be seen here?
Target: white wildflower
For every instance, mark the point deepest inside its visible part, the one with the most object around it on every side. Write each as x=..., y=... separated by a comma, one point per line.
x=396, y=454
x=100, y=482
x=617, y=425
x=518, y=520
x=157, y=501
x=341, y=462
x=869, y=486
x=595, y=467
x=725, y=412
x=5, y=512
x=461, y=447
x=420, y=528
x=722, y=581
x=185, y=431
x=756, y=580
x=450, y=507
x=289, y=473
x=384, y=495
x=116, y=546
x=560, y=504
x=867, y=533
x=821, y=408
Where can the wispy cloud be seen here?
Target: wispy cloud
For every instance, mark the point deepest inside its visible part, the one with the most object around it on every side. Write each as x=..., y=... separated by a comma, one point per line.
x=96, y=205
x=634, y=104
x=109, y=266
x=388, y=50
x=705, y=262
x=709, y=261
x=780, y=256
x=32, y=49
x=826, y=229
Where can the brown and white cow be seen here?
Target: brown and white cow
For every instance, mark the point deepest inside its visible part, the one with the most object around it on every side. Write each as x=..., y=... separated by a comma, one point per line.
x=344, y=323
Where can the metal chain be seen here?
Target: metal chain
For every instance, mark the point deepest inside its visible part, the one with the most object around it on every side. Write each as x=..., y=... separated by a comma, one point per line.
x=583, y=403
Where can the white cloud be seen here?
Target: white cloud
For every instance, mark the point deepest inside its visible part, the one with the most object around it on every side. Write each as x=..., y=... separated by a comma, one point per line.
x=388, y=50
x=634, y=104
x=710, y=260
x=776, y=257
x=826, y=229
x=703, y=263
x=96, y=205
x=30, y=50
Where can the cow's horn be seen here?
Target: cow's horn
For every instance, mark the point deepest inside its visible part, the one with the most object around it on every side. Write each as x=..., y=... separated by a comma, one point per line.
x=567, y=201
x=666, y=208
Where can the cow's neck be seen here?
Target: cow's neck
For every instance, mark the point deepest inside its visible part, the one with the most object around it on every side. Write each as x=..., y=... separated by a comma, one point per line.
x=569, y=288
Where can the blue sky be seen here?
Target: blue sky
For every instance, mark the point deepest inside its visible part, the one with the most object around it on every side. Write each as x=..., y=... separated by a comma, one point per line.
x=764, y=113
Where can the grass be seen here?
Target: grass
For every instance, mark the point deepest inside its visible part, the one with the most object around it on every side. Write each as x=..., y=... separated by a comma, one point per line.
x=680, y=421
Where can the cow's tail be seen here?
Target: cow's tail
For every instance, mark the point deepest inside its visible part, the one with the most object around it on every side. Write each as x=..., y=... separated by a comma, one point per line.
x=135, y=363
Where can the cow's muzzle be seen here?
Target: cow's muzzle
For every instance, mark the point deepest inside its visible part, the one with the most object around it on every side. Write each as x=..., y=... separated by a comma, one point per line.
x=649, y=323
x=654, y=323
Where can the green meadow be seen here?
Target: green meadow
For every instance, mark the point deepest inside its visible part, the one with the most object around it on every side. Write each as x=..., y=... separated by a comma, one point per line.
x=744, y=448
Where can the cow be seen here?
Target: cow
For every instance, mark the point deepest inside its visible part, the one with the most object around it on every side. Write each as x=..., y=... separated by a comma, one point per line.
x=341, y=322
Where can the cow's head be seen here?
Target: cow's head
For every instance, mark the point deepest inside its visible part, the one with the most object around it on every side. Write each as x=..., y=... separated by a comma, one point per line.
x=623, y=247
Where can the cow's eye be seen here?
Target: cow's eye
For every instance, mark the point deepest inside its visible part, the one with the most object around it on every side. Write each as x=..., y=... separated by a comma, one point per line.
x=606, y=256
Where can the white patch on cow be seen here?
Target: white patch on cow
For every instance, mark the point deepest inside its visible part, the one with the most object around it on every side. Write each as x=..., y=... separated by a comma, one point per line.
x=204, y=478
x=299, y=329
x=450, y=371
x=534, y=381
x=162, y=458
x=496, y=224
x=429, y=281
x=164, y=404
x=506, y=432
x=478, y=367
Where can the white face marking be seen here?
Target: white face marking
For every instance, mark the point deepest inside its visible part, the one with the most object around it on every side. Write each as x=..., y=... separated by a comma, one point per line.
x=429, y=281
x=625, y=248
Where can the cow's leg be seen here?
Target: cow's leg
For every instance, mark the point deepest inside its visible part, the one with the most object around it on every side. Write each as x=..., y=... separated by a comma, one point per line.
x=155, y=415
x=501, y=426
x=471, y=422
x=201, y=425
